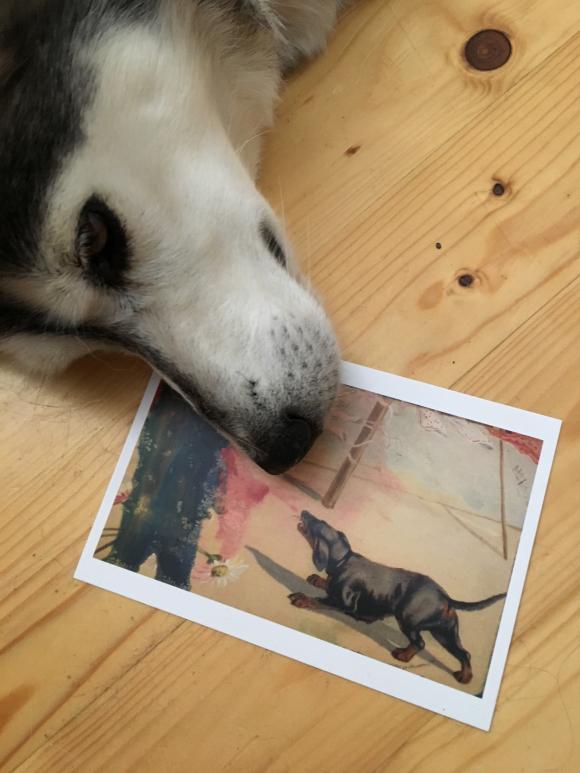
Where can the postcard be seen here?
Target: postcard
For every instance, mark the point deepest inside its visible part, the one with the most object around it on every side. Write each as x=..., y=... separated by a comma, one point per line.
x=394, y=555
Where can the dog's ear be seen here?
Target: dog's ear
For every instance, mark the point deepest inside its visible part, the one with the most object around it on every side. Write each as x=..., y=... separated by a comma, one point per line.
x=321, y=554
x=344, y=539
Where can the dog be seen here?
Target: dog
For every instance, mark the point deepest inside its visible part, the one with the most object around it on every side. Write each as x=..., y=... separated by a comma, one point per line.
x=368, y=591
x=130, y=135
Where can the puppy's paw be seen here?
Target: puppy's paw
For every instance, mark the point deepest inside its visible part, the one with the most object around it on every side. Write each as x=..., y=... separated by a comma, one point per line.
x=301, y=601
x=404, y=654
x=463, y=677
x=317, y=581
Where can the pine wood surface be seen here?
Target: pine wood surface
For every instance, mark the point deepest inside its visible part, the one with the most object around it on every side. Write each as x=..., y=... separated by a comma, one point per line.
x=384, y=147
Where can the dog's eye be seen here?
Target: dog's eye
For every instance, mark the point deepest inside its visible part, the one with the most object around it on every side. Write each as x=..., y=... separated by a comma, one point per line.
x=101, y=244
x=273, y=244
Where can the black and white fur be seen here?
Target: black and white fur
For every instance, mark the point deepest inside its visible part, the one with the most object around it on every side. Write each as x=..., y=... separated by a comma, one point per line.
x=129, y=216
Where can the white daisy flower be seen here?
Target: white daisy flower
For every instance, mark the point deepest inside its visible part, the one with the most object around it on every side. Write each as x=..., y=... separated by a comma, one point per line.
x=226, y=572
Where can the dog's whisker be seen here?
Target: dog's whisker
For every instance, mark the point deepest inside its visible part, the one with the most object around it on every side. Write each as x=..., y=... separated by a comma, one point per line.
x=240, y=148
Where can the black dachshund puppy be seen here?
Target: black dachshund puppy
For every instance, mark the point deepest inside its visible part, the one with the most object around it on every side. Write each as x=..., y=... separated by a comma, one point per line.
x=369, y=591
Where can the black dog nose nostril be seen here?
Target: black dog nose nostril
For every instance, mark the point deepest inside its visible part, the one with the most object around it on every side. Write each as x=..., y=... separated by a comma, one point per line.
x=300, y=435
x=290, y=446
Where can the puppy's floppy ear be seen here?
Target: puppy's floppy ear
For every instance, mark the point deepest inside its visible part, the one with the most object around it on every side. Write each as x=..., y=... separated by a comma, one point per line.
x=321, y=554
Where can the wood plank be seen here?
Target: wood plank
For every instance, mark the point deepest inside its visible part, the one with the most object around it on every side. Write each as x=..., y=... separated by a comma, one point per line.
x=394, y=87
x=395, y=298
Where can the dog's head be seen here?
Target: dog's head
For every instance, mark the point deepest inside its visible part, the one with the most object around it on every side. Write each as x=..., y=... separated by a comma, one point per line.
x=329, y=546
x=127, y=217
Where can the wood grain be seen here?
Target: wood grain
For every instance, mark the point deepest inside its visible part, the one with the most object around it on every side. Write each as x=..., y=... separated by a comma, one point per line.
x=384, y=147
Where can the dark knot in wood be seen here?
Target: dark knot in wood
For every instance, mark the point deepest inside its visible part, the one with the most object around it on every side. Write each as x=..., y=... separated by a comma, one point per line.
x=488, y=50
x=466, y=280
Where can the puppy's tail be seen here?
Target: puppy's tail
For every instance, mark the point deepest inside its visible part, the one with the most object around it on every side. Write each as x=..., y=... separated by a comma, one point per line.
x=472, y=606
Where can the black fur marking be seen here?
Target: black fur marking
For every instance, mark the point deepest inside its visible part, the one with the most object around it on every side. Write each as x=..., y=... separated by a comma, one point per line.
x=42, y=103
x=273, y=244
x=40, y=123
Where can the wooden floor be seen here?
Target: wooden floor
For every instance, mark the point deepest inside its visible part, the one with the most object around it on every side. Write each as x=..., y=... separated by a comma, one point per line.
x=384, y=148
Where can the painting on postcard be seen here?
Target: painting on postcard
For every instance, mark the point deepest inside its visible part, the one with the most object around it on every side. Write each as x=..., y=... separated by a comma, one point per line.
x=395, y=538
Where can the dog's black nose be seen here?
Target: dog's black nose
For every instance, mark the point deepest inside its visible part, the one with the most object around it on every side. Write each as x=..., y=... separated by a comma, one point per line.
x=290, y=445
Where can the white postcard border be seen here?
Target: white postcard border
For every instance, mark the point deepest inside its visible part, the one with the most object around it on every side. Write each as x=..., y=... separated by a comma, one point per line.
x=331, y=658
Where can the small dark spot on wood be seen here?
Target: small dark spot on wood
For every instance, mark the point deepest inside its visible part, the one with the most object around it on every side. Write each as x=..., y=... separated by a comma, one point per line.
x=498, y=189
x=466, y=280
x=488, y=50
x=438, y=245
x=353, y=150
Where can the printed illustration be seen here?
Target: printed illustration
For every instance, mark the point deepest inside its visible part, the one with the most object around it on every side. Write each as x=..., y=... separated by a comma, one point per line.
x=410, y=517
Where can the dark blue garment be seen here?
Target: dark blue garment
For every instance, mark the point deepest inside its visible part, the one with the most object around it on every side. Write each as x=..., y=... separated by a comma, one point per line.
x=176, y=482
